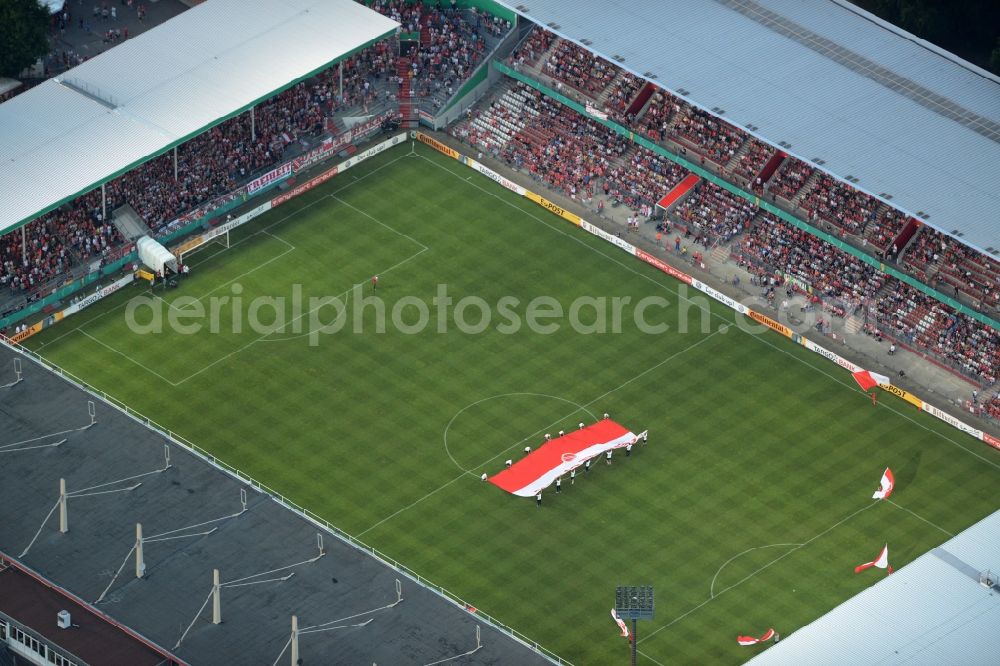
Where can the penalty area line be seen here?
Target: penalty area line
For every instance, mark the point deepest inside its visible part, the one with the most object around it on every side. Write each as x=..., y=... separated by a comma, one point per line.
x=756, y=571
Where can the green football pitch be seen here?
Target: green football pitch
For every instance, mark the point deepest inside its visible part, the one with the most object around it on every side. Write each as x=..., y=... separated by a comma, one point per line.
x=749, y=507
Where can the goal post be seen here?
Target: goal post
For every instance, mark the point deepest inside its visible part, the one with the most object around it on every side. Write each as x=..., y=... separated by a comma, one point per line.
x=218, y=236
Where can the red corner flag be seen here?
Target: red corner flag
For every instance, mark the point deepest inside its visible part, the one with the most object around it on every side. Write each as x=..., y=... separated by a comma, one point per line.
x=880, y=562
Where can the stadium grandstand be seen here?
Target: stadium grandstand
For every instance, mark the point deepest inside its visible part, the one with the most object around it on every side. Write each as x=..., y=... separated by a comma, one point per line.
x=805, y=161
x=927, y=282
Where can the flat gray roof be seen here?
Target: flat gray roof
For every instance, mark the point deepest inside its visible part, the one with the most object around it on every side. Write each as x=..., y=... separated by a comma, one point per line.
x=193, y=522
x=889, y=113
x=933, y=611
x=157, y=90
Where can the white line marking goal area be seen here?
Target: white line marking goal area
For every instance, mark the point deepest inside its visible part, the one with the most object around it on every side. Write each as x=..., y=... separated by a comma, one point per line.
x=223, y=290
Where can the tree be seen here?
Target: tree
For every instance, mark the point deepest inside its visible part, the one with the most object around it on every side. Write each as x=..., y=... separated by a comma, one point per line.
x=24, y=36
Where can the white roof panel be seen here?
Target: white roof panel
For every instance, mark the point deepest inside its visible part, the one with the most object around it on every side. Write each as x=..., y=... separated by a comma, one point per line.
x=835, y=83
x=933, y=611
x=152, y=92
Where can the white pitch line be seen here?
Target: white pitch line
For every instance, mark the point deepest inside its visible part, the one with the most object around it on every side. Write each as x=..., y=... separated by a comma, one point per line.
x=495, y=397
x=537, y=432
x=659, y=663
x=757, y=571
x=290, y=249
x=265, y=229
x=917, y=515
x=728, y=319
x=711, y=588
x=378, y=221
x=263, y=338
x=125, y=356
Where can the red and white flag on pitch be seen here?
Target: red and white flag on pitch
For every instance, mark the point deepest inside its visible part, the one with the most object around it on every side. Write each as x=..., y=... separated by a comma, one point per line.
x=880, y=562
x=868, y=380
x=753, y=640
x=620, y=622
x=540, y=468
x=888, y=483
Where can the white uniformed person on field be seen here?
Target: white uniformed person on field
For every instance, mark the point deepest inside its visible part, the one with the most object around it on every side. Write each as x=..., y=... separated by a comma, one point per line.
x=527, y=450
x=538, y=498
x=572, y=476
x=581, y=425
x=607, y=456
x=645, y=437
x=628, y=449
x=483, y=477
x=586, y=465
x=559, y=484
x=562, y=432
x=606, y=415
x=509, y=463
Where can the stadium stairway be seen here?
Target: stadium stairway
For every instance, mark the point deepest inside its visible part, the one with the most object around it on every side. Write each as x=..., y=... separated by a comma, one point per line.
x=738, y=155
x=405, y=103
x=806, y=188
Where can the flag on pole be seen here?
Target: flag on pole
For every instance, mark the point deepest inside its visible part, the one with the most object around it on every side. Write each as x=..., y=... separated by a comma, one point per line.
x=880, y=562
x=753, y=640
x=620, y=622
x=868, y=380
x=888, y=483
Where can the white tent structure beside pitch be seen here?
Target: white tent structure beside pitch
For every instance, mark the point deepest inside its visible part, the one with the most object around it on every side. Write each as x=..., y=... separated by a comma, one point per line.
x=154, y=256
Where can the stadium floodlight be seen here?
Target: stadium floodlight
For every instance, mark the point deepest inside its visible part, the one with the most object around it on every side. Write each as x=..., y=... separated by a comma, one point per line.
x=634, y=602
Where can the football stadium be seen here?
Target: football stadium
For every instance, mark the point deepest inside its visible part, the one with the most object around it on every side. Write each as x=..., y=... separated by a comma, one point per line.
x=483, y=332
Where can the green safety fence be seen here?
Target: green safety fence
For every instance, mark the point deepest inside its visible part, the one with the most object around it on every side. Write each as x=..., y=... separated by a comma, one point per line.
x=784, y=215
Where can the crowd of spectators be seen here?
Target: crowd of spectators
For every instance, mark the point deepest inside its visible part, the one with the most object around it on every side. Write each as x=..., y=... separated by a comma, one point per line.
x=838, y=277
x=841, y=205
x=573, y=65
x=884, y=230
x=533, y=48
x=643, y=180
x=620, y=96
x=924, y=322
x=562, y=148
x=789, y=179
x=714, y=212
x=44, y=257
x=753, y=159
x=229, y=154
x=655, y=121
x=715, y=139
x=449, y=49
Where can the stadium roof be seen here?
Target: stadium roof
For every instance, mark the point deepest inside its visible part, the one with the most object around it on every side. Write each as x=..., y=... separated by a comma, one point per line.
x=194, y=519
x=932, y=611
x=892, y=114
x=151, y=93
